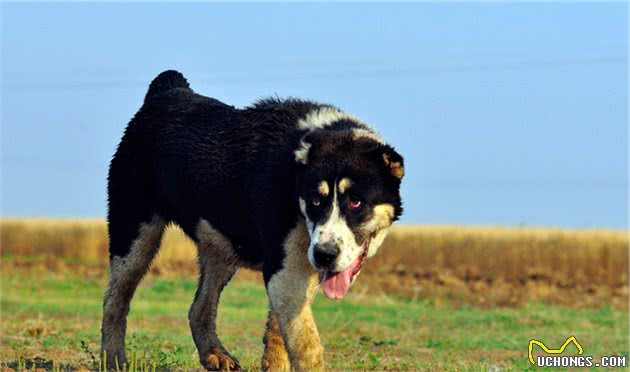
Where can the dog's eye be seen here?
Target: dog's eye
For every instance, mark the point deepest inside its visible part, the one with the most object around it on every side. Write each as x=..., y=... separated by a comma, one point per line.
x=316, y=202
x=354, y=203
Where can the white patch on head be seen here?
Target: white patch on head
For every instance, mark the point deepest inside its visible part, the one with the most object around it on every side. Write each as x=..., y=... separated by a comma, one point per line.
x=367, y=133
x=301, y=154
x=325, y=116
x=336, y=229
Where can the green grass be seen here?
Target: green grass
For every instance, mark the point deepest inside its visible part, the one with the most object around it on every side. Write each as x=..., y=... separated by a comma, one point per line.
x=57, y=318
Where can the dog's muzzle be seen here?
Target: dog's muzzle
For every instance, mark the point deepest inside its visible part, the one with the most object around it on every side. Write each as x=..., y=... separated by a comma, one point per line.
x=336, y=284
x=325, y=255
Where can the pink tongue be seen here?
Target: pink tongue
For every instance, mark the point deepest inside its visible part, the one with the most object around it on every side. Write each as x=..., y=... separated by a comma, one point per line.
x=336, y=285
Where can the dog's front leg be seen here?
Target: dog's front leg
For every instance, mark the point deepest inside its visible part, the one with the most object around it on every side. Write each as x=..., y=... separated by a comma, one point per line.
x=291, y=290
x=275, y=357
x=290, y=296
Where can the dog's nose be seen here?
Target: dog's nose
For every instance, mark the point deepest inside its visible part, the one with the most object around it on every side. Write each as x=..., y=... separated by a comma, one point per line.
x=325, y=254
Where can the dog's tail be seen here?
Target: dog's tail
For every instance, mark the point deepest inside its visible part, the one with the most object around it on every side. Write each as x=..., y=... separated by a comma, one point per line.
x=166, y=81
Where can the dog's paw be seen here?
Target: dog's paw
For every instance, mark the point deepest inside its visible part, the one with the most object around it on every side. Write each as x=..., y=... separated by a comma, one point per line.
x=275, y=359
x=220, y=360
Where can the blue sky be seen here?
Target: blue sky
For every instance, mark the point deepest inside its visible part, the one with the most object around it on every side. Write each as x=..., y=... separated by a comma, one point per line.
x=507, y=114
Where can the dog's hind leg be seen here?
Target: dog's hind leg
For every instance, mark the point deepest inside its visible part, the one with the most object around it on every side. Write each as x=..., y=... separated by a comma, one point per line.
x=125, y=273
x=275, y=357
x=217, y=265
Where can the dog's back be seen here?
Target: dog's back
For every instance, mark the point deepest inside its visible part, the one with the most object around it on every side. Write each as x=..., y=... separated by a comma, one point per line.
x=186, y=157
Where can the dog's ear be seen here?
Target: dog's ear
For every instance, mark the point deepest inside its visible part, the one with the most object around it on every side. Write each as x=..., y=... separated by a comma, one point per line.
x=393, y=161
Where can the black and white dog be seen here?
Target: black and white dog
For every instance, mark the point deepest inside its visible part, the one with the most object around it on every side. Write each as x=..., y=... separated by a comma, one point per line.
x=300, y=190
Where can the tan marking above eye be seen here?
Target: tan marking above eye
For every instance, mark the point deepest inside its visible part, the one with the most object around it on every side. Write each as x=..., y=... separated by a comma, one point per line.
x=344, y=184
x=323, y=188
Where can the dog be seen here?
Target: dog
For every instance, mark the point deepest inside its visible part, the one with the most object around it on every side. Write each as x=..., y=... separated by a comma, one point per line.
x=299, y=190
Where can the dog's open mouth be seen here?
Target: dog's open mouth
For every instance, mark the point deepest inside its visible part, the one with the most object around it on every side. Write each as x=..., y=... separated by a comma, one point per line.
x=337, y=284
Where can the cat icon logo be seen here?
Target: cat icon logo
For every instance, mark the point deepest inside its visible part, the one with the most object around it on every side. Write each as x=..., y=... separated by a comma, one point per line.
x=547, y=350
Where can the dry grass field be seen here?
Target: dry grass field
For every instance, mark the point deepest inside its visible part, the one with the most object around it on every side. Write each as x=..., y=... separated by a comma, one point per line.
x=434, y=298
x=464, y=265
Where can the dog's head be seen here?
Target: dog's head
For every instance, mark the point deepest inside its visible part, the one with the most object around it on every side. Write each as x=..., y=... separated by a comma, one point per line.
x=348, y=185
